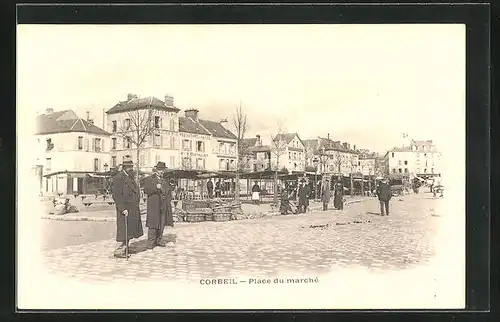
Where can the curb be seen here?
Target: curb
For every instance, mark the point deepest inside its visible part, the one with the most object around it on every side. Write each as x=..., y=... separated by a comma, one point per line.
x=113, y=219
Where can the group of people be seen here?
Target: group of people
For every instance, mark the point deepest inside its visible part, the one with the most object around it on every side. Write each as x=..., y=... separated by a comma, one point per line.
x=304, y=193
x=127, y=194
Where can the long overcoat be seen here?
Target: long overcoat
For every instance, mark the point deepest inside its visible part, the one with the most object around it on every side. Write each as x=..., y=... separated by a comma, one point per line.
x=338, y=195
x=384, y=192
x=159, y=211
x=325, y=193
x=304, y=194
x=127, y=194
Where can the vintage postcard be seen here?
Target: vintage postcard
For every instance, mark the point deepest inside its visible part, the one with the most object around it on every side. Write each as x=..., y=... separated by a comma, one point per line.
x=241, y=166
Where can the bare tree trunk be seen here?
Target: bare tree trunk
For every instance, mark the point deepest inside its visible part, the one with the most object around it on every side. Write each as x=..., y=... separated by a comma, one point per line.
x=237, y=185
x=275, y=199
x=138, y=151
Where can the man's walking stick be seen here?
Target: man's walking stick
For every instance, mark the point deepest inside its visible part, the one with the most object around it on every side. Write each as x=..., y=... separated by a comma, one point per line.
x=126, y=237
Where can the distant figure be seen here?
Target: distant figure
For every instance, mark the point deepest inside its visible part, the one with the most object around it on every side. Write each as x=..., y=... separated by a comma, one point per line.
x=304, y=195
x=62, y=208
x=439, y=188
x=256, y=193
x=210, y=188
x=285, y=206
x=338, y=195
x=218, y=189
x=384, y=195
x=415, y=185
x=433, y=182
x=325, y=194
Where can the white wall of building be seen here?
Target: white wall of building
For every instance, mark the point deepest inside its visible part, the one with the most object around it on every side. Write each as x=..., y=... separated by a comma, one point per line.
x=72, y=151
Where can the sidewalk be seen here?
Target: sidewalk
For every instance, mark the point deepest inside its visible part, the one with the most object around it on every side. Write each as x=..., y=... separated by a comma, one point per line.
x=110, y=215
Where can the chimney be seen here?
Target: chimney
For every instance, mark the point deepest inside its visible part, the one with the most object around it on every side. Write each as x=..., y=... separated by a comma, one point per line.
x=328, y=136
x=169, y=100
x=345, y=145
x=224, y=123
x=354, y=147
x=88, y=116
x=259, y=142
x=49, y=110
x=192, y=113
x=131, y=97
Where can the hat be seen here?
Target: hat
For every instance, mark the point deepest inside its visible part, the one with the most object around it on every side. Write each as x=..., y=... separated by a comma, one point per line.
x=160, y=165
x=127, y=163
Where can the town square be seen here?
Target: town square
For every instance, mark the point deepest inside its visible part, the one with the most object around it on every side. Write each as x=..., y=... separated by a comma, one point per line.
x=213, y=164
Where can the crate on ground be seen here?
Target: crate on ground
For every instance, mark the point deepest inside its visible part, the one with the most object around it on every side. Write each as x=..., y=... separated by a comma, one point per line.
x=222, y=216
x=195, y=217
x=209, y=217
x=222, y=209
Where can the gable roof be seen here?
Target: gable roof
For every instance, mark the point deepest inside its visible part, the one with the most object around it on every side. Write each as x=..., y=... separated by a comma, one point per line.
x=248, y=143
x=65, y=121
x=287, y=137
x=141, y=103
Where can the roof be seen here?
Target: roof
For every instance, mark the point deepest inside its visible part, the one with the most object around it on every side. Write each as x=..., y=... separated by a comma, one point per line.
x=141, y=103
x=65, y=121
x=247, y=143
x=261, y=148
x=313, y=144
x=187, y=124
x=287, y=137
x=422, y=142
x=217, y=130
x=328, y=144
x=401, y=149
x=204, y=127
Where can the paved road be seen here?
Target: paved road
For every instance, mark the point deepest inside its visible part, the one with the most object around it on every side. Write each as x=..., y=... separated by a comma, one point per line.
x=356, y=236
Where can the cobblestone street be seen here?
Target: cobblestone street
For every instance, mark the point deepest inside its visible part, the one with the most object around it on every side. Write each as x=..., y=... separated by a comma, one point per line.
x=355, y=237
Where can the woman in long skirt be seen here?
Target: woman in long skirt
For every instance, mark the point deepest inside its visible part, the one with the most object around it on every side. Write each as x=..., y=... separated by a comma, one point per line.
x=256, y=193
x=338, y=201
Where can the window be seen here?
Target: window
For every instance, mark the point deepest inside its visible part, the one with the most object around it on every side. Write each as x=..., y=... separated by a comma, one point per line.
x=186, y=145
x=80, y=143
x=157, y=158
x=406, y=162
x=127, y=124
x=359, y=162
x=48, y=164
x=96, y=164
x=417, y=171
x=172, y=143
x=157, y=122
x=127, y=142
x=97, y=145
x=393, y=170
x=200, y=146
x=186, y=162
x=392, y=154
x=172, y=124
x=406, y=170
x=399, y=162
x=172, y=161
x=50, y=145
x=290, y=155
x=425, y=155
x=231, y=165
x=142, y=160
x=400, y=170
x=425, y=162
x=113, y=126
x=221, y=148
x=157, y=140
x=113, y=161
x=113, y=143
x=432, y=170
x=425, y=170
x=200, y=164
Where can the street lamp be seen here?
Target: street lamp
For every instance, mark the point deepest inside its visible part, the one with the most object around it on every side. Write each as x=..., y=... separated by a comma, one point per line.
x=315, y=162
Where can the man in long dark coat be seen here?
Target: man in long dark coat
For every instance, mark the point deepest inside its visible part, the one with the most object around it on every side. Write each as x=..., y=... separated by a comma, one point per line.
x=159, y=211
x=210, y=188
x=304, y=193
x=127, y=194
x=384, y=195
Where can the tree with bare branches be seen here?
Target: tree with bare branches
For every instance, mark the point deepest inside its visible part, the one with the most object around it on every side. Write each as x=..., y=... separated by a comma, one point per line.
x=278, y=148
x=138, y=124
x=240, y=124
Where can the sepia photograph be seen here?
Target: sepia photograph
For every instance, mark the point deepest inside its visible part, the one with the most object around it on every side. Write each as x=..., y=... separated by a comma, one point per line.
x=241, y=166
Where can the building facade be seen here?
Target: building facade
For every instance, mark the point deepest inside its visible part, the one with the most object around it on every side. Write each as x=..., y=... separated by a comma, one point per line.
x=332, y=157
x=68, y=149
x=182, y=142
x=420, y=158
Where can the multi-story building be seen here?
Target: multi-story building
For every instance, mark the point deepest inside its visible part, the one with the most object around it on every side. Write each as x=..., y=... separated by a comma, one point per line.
x=288, y=152
x=332, y=156
x=367, y=163
x=420, y=158
x=69, y=149
x=181, y=142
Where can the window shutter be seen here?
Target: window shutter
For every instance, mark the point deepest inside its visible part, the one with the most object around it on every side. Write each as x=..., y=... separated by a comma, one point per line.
x=102, y=145
x=190, y=145
x=203, y=164
x=86, y=144
x=93, y=145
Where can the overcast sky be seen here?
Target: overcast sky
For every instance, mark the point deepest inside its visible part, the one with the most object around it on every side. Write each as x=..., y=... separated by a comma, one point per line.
x=365, y=84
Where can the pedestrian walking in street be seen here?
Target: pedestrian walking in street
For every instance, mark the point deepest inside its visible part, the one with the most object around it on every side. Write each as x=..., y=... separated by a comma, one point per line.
x=384, y=195
x=338, y=194
x=256, y=193
x=304, y=195
x=325, y=194
x=126, y=194
x=210, y=188
x=285, y=205
x=159, y=206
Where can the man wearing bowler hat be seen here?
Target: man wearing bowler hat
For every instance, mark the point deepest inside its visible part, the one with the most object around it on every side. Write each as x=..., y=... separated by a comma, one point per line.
x=159, y=211
x=127, y=194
